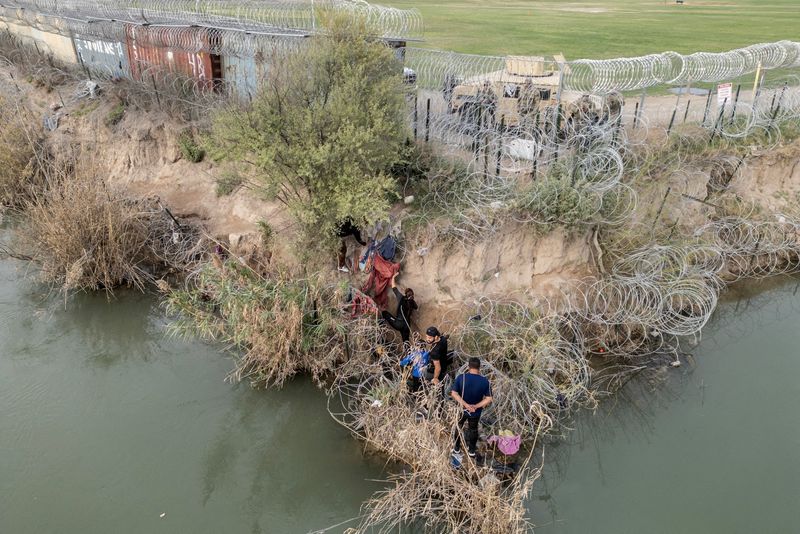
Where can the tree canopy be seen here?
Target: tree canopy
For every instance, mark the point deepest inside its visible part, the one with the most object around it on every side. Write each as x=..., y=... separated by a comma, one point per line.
x=324, y=129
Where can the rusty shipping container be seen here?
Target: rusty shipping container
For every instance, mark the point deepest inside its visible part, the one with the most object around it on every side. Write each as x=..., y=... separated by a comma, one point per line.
x=155, y=51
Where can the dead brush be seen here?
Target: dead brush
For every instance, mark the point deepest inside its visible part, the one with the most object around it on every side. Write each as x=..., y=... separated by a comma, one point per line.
x=370, y=398
x=283, y=325
x=84, y=235
x=534, y=359
x=40, y=69
x=22, y=154
x=429, y=493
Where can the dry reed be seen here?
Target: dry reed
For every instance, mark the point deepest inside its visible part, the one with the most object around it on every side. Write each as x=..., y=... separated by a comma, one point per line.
x=84, y=235
x=21, y=154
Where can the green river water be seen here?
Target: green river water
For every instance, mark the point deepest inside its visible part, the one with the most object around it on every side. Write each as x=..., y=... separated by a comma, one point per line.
x=106, y=424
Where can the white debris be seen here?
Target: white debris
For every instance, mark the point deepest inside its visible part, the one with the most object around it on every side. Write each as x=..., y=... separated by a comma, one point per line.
x=522, y=149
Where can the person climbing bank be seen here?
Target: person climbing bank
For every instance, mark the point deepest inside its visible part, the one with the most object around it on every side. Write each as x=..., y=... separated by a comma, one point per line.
x=406, y=305
x=348, y=229
x=473, y=392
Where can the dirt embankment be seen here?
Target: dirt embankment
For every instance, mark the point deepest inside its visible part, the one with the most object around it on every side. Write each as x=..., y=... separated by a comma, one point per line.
x=141, y=153
x=771, y=178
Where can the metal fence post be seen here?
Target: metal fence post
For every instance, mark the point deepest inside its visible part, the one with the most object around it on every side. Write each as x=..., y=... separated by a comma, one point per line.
x=640, y=107
x=500, y=145
x=719, y=120
x=416, y=115
x=672, y=121
x=735, y=101
x=708, y=108
x=428, y=121
x=661, y=207
x=155, y=88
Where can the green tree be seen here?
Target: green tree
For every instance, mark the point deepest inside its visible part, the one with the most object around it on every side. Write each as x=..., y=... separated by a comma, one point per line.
x=324, y=129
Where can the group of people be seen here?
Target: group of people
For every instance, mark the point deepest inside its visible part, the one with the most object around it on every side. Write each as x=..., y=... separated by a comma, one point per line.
x=471, y=390
x=430, y=365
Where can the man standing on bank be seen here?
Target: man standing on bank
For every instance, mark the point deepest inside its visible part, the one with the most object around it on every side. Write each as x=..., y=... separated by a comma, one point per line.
x=440, y=359
x=473, y=392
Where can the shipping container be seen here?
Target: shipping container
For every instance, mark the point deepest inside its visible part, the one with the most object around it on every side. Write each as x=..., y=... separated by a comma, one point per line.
x=58, y=46
x=104, y=57
x=244, y=72
x=149, y=57
x=243, y=75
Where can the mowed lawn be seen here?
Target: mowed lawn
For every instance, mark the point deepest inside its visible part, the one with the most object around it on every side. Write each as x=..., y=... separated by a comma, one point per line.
x=602, y=29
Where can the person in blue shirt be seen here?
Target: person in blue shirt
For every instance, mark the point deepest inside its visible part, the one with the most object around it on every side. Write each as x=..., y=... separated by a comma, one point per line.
x=473, y=392
x=419, y=360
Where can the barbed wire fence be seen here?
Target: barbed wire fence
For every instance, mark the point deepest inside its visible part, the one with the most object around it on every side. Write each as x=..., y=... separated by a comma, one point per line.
x=266, y=17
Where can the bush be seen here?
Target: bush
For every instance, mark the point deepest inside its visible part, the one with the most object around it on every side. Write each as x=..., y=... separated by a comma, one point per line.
x=228, y=182
x=189, y=148
x=267, y=234
x=325, y=131
x=115, y=115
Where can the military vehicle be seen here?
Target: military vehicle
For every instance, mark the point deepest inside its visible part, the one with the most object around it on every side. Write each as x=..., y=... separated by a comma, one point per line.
x=525, y=93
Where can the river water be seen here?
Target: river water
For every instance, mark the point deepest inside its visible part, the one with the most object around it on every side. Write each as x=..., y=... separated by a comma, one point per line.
x=715, y=448
x=106, y=424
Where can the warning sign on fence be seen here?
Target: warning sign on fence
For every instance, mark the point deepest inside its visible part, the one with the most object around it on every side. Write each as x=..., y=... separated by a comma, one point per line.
x=724, y=93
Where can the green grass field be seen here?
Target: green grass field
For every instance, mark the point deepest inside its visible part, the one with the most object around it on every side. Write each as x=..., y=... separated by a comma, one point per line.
x=602, y=29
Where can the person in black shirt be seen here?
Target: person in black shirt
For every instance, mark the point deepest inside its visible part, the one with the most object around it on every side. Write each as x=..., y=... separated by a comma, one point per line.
x=440, y=360
x=401, y=321
x=347, y=229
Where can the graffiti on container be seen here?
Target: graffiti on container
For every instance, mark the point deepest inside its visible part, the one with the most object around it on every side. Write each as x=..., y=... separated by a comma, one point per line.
x=198, y=66
x=147, y=51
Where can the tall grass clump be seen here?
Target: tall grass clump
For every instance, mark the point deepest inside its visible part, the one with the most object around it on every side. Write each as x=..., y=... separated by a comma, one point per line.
x=84, y=235
x=281, y=325
x=21, y=155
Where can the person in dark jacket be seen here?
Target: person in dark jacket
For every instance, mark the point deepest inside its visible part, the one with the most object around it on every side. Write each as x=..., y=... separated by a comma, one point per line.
x=347, y=229
x=440, y=359
x=473, y=393
x=406, y=305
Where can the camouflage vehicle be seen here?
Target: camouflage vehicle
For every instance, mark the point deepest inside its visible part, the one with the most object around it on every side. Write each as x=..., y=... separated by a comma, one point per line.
x=525, y=94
